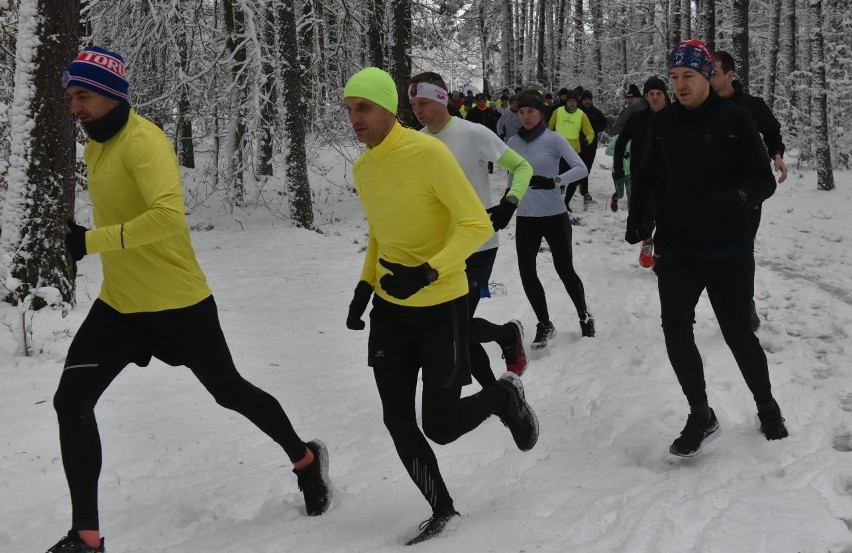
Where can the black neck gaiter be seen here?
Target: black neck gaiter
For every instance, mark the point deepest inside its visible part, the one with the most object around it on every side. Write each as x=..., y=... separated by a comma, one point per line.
x=101, y=130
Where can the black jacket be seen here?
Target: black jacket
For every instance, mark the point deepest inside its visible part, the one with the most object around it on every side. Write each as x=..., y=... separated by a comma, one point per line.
x=693, y=162
x=767, y=124
x=597, y=119
x=487, y=117
x=635, y=129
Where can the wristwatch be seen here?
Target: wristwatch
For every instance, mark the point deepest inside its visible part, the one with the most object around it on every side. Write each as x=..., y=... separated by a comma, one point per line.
x=431, y=274
x=557, y=180
x=512, y=200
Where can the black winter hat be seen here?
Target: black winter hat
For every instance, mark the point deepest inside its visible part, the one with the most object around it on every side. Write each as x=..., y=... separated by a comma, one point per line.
x=529, y=100
x=633, y=92
x=654, y=83
x=562, y=92
x=572, y=95
x=480, y=96
x=586, y=94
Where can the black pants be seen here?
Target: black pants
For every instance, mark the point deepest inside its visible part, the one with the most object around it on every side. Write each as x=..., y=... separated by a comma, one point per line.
x=587, y=154
x=106, y=343
x=556, y=230
x=402, y=340
x=729, y=283
x=478, y=269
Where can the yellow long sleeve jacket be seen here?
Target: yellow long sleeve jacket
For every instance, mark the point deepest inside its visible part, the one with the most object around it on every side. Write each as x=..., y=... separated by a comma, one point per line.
x=420, y=208
x=140, y=224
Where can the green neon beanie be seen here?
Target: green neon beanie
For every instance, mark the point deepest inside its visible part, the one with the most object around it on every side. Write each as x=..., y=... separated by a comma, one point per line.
x=375, y=85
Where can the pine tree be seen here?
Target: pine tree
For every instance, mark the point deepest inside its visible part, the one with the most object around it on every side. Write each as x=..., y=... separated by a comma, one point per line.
x=40, y=195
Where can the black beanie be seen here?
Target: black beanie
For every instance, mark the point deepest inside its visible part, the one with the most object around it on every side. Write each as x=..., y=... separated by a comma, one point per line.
x=562, y=92
x=572, y=95
x=528, y=100
x=586, y=94
x=654, y=83
x=633, y=92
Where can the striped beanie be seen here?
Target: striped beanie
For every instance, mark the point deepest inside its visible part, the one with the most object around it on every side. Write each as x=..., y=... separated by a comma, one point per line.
x=99, y=70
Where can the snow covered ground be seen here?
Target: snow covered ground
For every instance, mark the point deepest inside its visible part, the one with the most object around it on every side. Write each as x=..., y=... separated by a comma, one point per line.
x=183, y=475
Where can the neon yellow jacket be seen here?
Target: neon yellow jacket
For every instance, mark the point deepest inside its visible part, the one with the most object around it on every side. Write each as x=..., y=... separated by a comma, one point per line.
x=570, y=125
x=420, y=208
x=140, y=225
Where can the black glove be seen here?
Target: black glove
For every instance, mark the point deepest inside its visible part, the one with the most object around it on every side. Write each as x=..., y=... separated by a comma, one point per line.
x=635, y=233
x=727, y=201
x=501, y=213
x=617, y=174
x=75, y=240
x=358, y=305
x=404, y=282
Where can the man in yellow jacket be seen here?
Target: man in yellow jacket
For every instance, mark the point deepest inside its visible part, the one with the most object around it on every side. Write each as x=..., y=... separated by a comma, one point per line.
x=154, y=300
x=424, y=220
x=573, y=124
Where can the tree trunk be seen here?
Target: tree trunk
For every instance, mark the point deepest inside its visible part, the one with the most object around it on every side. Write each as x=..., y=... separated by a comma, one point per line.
x=40, y=180
x=540, y=74
x=789, y=64
x=686, y=18
x=708, y=23
x=739, y=35
x=508, y=43
x=375, y=32
x=772, y=63
x=298, y=185
x=268, y=100
x=675, y=18
x=597, y=34
x=401, y=71
x=235, y=27
x=559, y=43
x=820, y=137
x=579, y=32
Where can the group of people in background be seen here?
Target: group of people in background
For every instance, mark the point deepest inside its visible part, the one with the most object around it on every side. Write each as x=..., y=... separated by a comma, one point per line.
x=694, y=171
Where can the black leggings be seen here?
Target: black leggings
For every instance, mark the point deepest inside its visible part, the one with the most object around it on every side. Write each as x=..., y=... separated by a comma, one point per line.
x=556, y=230
x=106, y=343
x=587, y=154
x=410, y=338
x=729, y=283
x=482, y=331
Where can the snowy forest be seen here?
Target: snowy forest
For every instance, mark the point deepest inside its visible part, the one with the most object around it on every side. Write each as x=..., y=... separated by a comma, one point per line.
x=255, y=86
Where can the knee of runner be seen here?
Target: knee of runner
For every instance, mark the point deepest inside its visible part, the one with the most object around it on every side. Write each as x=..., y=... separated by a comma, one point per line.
x=71, y=407
x=439, y=432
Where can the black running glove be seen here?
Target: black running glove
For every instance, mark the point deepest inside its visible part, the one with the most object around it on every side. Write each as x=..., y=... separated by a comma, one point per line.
x=75, y=240
x=635, y=233
x=359, y=304
x=403, y=281
x=501, y=213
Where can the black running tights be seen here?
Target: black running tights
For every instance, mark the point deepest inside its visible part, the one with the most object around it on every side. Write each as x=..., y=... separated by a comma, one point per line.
x=556, y=230
x=446, y=416
x=106, y=343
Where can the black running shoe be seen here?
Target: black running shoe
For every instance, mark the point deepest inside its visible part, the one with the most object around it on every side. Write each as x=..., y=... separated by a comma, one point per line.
x=432, y=527
x=772, y=424
x=693, y=435
x=544, y=332
x=518, y=416
x=73, y=544
x=314, y=482
x=587, y=326
x=755, y=320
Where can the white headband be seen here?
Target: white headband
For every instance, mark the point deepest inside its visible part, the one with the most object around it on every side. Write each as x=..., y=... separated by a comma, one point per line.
x=429, y=91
